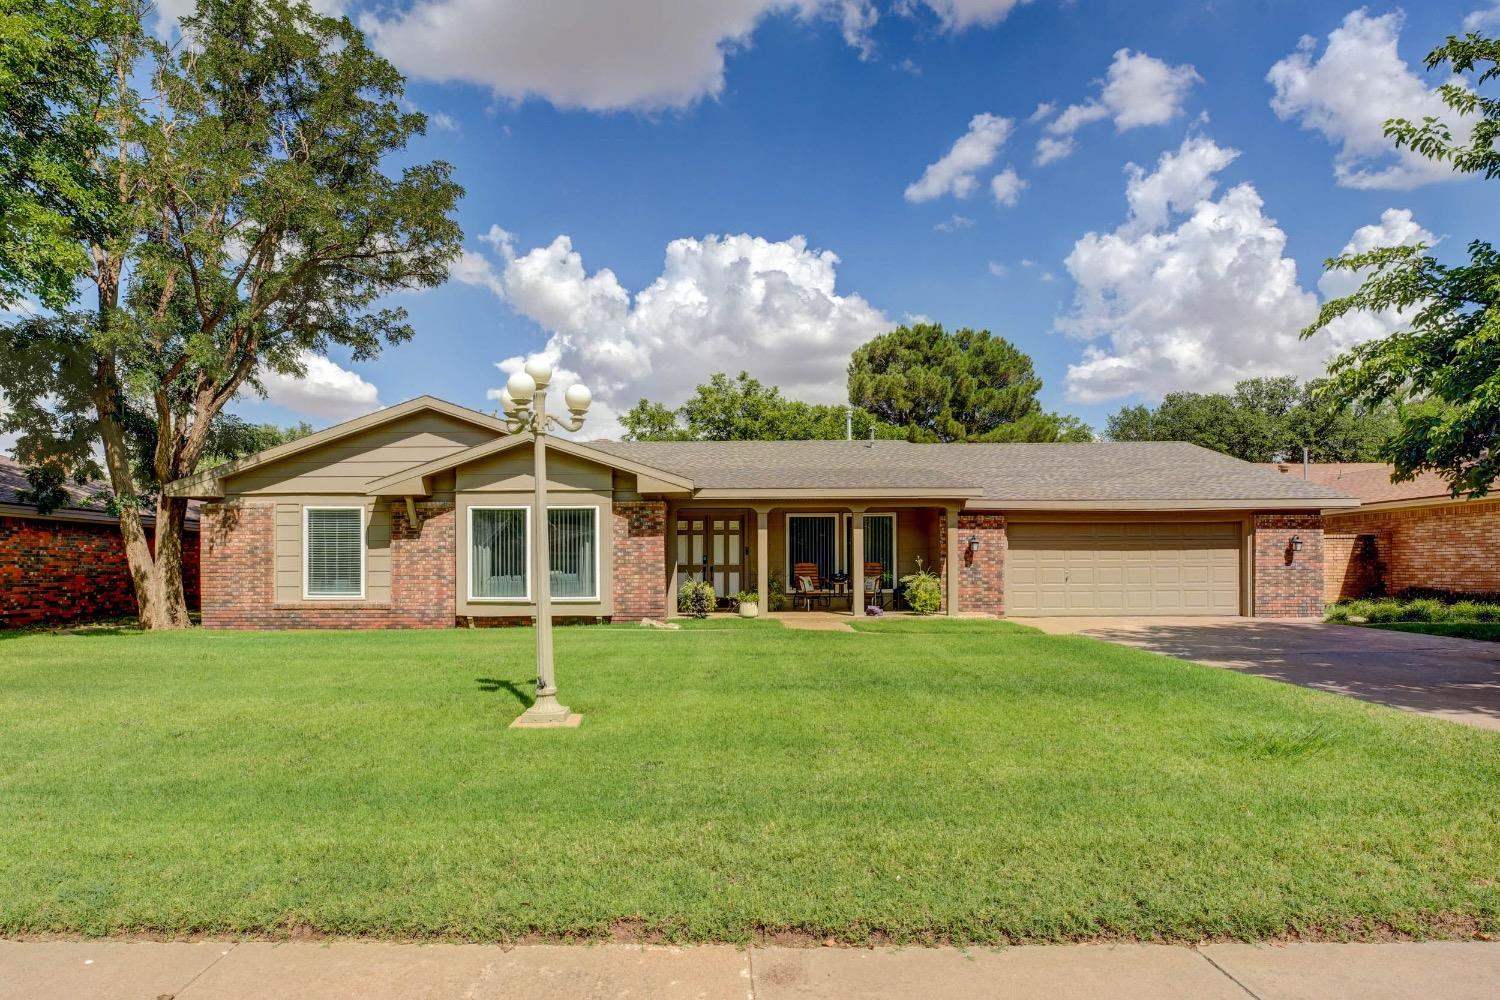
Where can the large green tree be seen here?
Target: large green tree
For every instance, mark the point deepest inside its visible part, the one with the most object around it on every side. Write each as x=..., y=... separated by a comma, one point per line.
x=1444, y=367
x=232, y=210
x=969, y=385
x=744, y=409
x=1264, y=420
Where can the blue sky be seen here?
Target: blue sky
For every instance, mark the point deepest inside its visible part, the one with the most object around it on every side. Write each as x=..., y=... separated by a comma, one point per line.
x=595, y=137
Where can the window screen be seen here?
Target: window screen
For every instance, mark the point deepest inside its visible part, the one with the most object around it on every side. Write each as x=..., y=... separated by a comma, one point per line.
x=497, y=559
x=573, y=538
x=335, y=548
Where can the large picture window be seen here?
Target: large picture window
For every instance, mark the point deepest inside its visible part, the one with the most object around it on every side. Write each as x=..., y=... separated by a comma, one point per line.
x=333, y=552
x=498, y=553
x=573, y=537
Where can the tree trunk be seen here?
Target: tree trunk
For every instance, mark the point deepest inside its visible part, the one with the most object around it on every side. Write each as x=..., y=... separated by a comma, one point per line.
x=171, y=512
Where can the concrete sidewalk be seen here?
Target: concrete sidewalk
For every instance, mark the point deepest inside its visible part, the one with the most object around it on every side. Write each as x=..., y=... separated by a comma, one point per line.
x=224, y=970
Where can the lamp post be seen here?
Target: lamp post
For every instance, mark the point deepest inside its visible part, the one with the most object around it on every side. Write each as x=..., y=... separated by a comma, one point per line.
x=525, y=404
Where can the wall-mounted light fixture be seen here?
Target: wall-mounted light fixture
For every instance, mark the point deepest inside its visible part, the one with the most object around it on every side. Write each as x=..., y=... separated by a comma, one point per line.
x=1296, y=543
x=973, y=543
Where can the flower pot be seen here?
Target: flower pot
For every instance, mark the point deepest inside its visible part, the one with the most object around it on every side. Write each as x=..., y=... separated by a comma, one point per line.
x=749, y=610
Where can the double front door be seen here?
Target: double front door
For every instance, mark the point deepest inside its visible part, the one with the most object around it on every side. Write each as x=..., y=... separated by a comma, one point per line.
x=712, y=548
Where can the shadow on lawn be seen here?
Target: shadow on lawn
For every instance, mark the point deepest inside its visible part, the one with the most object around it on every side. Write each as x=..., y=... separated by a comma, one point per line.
x=496, y=684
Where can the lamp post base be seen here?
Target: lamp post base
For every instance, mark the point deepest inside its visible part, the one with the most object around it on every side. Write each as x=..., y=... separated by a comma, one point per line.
x=547, y=713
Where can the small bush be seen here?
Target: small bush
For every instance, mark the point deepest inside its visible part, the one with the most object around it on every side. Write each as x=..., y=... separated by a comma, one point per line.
x=1413, y=609
x=696, y=598
x=924, y=591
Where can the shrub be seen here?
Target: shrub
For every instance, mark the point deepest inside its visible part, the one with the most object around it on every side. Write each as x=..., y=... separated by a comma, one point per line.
x=1424, y=610
x=747, y=597
x=924, y=591
x=1337, y=613
x=696, y=598
x=777, y=599
x=1387, y=610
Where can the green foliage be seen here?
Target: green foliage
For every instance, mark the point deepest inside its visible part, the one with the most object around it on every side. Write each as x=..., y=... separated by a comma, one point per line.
x=696, y=598
x=234, y=438
x=923, y=590
x=747, y=597
x=52, y=199
x=1264, y=420
x=777, y=600
x=744, y=409
x=965, y=386
x=233, y=200
x=1444, y=368
x=1420, y=609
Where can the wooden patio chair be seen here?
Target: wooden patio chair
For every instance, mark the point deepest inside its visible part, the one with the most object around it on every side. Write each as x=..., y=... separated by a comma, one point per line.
x=874, y=585
x=807, y=586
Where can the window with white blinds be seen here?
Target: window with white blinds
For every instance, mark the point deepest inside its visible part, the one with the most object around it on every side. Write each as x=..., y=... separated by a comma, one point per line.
x=498, y=552
x=333, y=553
x=573, y=537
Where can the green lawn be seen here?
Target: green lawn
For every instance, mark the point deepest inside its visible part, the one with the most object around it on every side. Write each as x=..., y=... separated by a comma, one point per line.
x=923, y=780
x=1483, y=631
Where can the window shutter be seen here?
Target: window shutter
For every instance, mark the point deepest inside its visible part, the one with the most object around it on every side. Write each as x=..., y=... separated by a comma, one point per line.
x=335, y=546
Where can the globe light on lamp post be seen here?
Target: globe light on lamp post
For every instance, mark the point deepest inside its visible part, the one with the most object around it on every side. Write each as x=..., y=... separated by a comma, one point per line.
x=524, y=400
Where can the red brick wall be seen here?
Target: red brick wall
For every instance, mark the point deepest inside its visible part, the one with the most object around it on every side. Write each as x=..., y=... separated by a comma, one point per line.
x=640, y=560
x=1288, y=584
x=1451, y=546
x=981, y=574
x=239, y=587
x=54, y=571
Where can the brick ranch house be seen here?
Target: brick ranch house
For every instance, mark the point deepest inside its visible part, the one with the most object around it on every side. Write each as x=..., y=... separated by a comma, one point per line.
x=69, y=565
x=1404, y=535
x=417, y=516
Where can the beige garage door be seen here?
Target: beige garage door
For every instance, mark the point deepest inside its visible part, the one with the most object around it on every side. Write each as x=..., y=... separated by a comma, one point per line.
x=1123, y=569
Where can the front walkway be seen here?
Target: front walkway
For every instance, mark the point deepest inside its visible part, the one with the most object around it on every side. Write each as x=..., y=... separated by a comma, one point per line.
x=222, y=970
x=1454, y=679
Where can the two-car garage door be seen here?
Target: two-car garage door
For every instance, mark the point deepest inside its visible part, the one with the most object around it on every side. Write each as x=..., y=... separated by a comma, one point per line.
x=1149, y=568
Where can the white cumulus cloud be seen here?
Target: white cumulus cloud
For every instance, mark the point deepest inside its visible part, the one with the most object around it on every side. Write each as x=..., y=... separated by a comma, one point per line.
x=1396, y=227
x=325, y=391
x=1196, y=292
x=1485, y=17
x=1349, y=92
x=1138, y=90
x=596, y=54
x=954, y=172
x=956, y=15
x=721, y=303
x=1006, y=187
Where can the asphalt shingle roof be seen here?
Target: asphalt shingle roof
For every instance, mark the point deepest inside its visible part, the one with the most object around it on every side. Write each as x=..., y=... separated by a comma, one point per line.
x=88, y=497
x=1114, y=471
x=1370, y=481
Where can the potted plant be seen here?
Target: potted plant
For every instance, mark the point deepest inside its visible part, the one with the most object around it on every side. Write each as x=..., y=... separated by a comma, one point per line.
x=749, y=602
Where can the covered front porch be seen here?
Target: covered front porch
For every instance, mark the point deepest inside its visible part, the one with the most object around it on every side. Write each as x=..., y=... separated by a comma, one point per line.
x=814, y=554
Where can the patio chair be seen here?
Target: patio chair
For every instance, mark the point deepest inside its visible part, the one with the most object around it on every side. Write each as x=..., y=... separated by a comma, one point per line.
x=874, y=585
x=808, y=587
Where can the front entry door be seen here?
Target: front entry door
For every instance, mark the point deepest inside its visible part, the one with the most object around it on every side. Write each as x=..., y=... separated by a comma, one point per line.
x=712, y=548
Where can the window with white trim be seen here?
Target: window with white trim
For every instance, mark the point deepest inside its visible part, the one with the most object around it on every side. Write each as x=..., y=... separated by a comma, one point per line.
x=573, y=537
x=333, y=552
x=499, y=553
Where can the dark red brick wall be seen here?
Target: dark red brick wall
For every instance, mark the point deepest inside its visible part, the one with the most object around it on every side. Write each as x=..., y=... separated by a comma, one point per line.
x=1451, y=546
x=54, y=572
x=239, y=586
x=640, y=560
x=981, y=574
x=1288, y=584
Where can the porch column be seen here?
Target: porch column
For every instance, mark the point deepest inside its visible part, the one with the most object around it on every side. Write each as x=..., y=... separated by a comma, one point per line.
x=857, y=562
x=671, y=547
x=763, y=560
x=951, y=564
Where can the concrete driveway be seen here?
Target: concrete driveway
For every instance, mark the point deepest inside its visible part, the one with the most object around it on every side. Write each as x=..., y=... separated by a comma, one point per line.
x=1454, y=679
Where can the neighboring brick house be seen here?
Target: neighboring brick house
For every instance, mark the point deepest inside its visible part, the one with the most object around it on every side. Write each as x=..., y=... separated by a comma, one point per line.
x=1403, y=535
x=69, y=565
x=419, y=515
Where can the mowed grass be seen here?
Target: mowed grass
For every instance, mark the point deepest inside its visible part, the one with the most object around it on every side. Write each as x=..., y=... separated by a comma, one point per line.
x=961, y=781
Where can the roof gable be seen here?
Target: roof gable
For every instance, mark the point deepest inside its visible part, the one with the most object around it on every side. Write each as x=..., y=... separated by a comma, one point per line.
x=210, y=483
